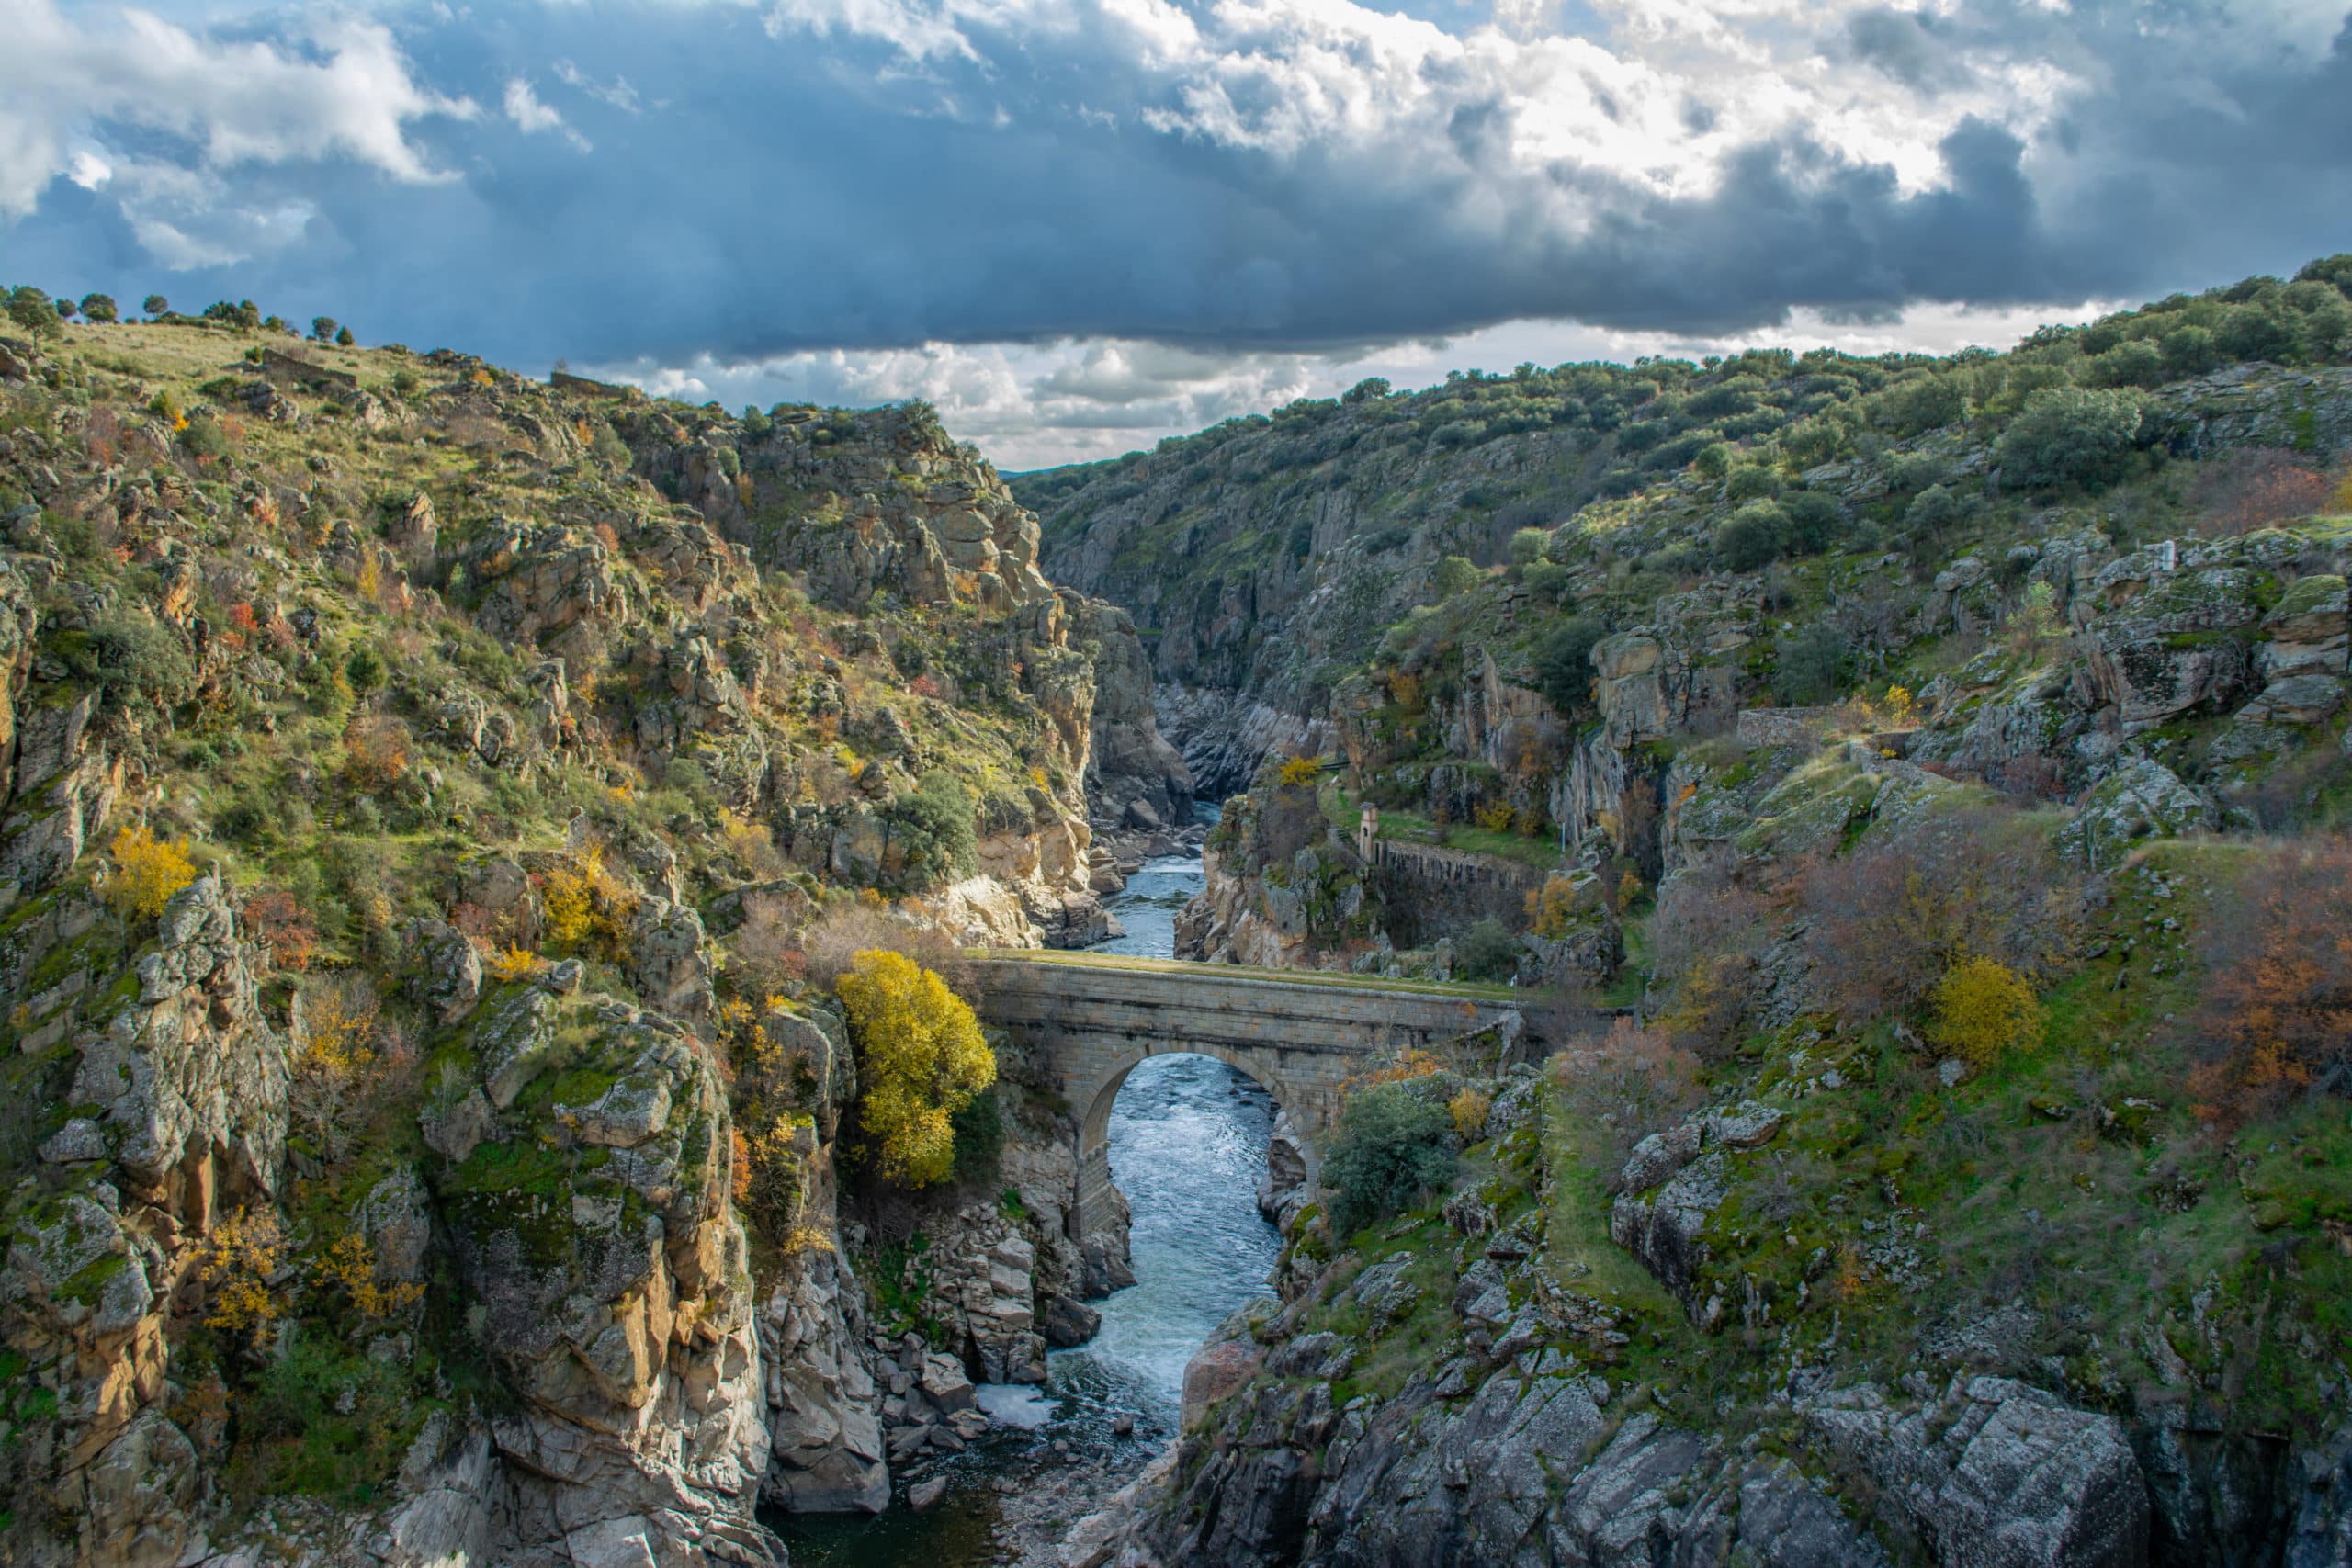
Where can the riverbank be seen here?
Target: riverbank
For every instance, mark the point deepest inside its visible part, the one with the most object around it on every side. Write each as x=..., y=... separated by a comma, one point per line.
x=1188, y=1147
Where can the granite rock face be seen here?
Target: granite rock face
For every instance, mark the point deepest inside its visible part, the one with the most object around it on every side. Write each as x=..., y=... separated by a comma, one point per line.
x=183, y=1084
x=613, y=1281
x=1995, y=1473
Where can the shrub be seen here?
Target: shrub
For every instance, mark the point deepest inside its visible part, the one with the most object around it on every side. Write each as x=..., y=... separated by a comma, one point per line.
x=770, y=1177
x=1888, y=921
x=1811, y=665
x=1812, y=522
x=366, y=670
x=848, y=926
x=1469, y=1110
x=1546, y=579
x=2189, y=350
x=349, y=1265
x=1564, y=664
x=276, y=919
x=2071, y=436
x=2256, y=487
x=2135, y=362
x=610, y=448
x=1453, y=575
x=1627, y=1084
x=513, y=962
x=239, y=1259
x=933, y=827
x=156, y=305
x=1527, y=545
x=1486, y=951
x=1393, y=1147
x=1983, y=1011
x=1753, y=481
x=2276, y=1013
x=922, y=1058
x=1298, y=771
x=375, y=753
x=323, y=328
x=99, y=308
x=204, y=440
x=1753, y=536
x=342, y=337
x=587, y=906
x=1931, y=511
x=147, y=872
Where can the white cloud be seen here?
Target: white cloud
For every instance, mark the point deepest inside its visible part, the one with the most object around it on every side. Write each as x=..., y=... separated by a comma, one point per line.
x=1031, y=406
x=64, y=78
x=532, y=116
x=618, y=93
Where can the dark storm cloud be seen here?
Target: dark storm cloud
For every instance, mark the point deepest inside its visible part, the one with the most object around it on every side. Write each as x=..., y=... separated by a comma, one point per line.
x=1904, y=45
x=673, y=182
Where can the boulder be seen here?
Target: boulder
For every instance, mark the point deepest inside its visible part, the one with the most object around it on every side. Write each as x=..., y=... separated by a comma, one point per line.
x=1997, y=1474
x=2139, y=800
x=448, y=971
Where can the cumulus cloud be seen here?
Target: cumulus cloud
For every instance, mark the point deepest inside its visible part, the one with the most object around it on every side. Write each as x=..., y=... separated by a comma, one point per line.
x=335, y=88
x=1036, y=405
x=1270, y=186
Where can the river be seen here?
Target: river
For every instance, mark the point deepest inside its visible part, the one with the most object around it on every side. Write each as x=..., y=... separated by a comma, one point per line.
x=1188, y=1147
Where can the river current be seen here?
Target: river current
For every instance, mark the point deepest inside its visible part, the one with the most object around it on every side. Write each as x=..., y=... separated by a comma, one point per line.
x=1188, y=1147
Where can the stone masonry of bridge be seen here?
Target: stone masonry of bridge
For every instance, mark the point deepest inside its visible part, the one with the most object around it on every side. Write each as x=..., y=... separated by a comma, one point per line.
x=1085, y=1026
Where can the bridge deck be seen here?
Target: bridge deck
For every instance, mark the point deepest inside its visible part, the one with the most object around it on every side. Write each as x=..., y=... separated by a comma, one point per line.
x=1134, y=963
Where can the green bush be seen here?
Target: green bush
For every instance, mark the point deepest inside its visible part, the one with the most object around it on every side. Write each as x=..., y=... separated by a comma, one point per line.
x=99, y=308
x=2071, y=436
x=1811, y=665
x=980, y=1138
x=1814, y=522
x=1564, y=664
x=366, y=670
x=205, y=439
x=933, y=827
x=1753, y=481
x=1394, y=1145
x=1486, y=951
x=132, y=656
x=1453, y=575
x=2189, y=350
x=2135, y=362
x=1753, y=536
x=1932, y=510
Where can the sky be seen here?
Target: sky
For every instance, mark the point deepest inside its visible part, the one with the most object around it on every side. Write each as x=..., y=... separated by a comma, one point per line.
x=1079, y=225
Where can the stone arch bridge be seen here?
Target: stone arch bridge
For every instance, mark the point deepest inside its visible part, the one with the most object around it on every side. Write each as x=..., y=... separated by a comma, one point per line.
x=1085, y=1021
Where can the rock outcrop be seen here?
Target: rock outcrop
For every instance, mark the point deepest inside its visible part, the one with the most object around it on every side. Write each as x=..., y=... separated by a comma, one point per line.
x=591, y=1221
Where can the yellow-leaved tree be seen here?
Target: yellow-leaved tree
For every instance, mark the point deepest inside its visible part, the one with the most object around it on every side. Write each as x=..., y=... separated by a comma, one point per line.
x=1984, y=1010
x=921, y=1058
x=147, y=872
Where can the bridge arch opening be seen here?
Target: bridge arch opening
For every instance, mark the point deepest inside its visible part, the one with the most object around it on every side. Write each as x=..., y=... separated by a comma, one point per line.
x=1101, y=1203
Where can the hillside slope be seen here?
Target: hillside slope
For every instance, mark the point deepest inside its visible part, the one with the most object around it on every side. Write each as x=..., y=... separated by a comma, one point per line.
x=435, y=806
x=1943, y=768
